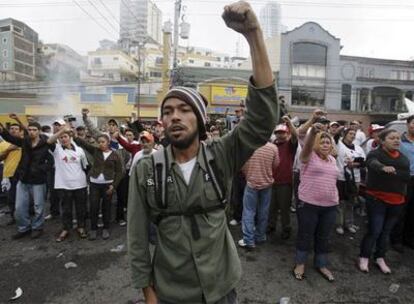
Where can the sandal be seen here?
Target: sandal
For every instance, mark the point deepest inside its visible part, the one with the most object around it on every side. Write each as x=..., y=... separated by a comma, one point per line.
x=82, y=233
x=326, y=274
x=62, y=236
x=298, y=275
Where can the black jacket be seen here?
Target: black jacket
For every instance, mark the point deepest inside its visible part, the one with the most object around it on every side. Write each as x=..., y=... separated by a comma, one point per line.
x=378, y=180
x=35, y=161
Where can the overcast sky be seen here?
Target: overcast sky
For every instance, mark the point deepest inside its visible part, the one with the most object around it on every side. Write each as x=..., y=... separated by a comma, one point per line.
x=381, y=28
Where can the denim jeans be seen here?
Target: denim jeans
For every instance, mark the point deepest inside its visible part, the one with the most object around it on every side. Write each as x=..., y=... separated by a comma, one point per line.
x=23, y=193
x=315, y=223
x=382, y=218
x=70, y=197
x=255, y=201
x=98, y=194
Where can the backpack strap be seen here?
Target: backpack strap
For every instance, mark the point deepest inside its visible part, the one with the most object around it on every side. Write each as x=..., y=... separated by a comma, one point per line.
x=160, y=166
x=212, y=171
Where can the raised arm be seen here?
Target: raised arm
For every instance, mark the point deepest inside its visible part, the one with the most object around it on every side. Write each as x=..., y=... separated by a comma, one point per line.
x=93, y=130
x=17, y=141
x=307, y=149
x=292, y=129
x=262, y=108
x=131, y=148
x=303, y=129
x=241, y=18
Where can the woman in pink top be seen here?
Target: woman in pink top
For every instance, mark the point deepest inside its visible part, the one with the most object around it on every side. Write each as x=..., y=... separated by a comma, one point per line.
x=318, y=198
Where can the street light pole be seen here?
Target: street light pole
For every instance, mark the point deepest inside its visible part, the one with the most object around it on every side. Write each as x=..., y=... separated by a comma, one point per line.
x=177, y=12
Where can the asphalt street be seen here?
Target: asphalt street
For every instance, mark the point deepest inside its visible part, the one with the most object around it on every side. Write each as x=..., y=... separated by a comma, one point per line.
x=102, y=275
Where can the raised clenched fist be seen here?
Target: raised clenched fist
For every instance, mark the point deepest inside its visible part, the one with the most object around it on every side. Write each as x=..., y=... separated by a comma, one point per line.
x=240, y=17
x=85, y=112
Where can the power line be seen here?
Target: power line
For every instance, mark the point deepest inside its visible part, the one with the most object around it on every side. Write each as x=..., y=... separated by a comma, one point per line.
x=93, y=18
x=104, y=17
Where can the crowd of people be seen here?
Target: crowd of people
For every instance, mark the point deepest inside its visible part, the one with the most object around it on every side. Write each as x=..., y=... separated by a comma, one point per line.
x=185, y=179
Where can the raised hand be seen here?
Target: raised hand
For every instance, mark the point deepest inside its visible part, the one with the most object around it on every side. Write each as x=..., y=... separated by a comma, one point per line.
x=85, y=112
x=13, y=116
x=240, y=17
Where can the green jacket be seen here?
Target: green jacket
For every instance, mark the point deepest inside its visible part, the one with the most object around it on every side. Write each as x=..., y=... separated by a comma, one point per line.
x=184, y=270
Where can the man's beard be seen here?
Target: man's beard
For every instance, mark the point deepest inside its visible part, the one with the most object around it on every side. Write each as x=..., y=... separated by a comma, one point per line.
x=181, y=144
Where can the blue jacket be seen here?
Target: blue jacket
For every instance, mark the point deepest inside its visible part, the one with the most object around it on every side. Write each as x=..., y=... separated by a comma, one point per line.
x=407, y=148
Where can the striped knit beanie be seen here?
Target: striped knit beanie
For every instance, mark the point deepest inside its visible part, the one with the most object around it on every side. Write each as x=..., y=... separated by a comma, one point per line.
x=197, y=102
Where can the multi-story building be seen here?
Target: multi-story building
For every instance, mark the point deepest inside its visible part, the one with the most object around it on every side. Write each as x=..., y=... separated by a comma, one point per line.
x=18, y=47
x=140, y=20
x=60, y=62
x=270, y=19
x=110, y=65
x=315, y=74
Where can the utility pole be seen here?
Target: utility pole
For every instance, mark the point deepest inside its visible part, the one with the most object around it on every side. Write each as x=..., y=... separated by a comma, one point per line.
x=177, y=13
x=140, y=46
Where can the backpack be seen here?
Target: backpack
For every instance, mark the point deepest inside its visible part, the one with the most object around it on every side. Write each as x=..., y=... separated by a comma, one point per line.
x=162, y=177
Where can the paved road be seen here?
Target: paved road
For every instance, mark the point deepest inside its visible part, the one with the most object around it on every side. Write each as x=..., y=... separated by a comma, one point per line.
x=102, y=276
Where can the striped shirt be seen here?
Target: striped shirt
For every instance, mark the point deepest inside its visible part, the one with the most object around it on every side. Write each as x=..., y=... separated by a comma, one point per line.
x=318, y=181
x=259, y=168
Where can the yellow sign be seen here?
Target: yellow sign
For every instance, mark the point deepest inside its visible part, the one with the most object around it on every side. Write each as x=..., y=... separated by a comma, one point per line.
x=228, y=94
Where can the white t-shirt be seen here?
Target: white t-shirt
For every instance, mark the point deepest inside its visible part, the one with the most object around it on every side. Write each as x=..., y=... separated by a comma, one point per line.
x=187, y=169
x=345, y=153
x=69, y=174
x=137, y=157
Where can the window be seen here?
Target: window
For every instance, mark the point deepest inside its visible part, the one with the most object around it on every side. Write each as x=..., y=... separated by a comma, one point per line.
x=5, y=65
x=308, y=74
x=5, y=28
x=346, y=97
x=159, y=60
x=17, y=30
x=155, y=74
x=4, y=53
x=191, y=61
x=207, y=64
x=4, y=40
x=97, y=60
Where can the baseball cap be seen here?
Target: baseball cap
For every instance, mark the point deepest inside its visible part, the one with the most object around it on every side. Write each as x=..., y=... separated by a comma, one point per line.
x=281, y=128
x=375, y=127
x=334, y=123
x=60, y=122
x=147, y=135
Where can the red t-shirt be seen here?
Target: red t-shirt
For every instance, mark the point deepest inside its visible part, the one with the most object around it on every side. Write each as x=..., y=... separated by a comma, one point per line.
x=283, y=174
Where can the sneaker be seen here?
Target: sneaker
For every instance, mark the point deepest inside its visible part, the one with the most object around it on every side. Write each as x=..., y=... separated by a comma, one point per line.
x=352, y=229
x=340, y=230
x=242, y=244
x=100, y=224
x=105, y=234
x=37, y=233
x=293, y=209
x=92, y=235
x=122, y=223
x=48, y=217
x=233, y=222
x=20, y=235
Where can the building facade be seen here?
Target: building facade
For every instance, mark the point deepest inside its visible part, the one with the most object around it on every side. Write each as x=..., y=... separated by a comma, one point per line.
x=313, y=73
x=18, y=47
x=140, y=20
x=110, y=65
x=270, y=17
